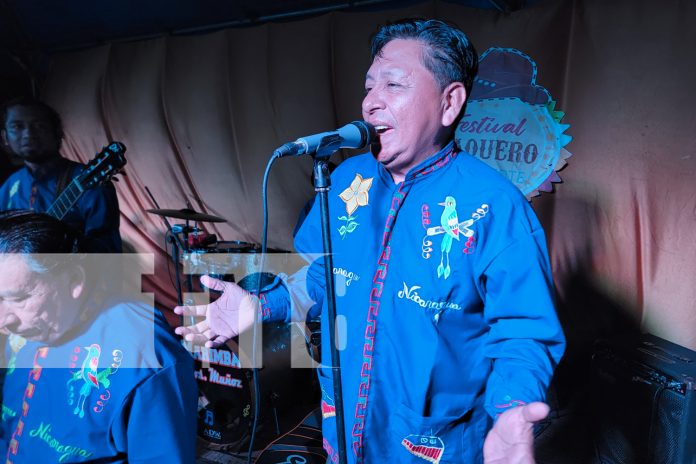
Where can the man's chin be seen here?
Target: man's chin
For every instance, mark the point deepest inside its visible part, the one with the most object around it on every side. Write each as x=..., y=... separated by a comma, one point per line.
x=380, y=155
x=388, y=160
x=35, y=156
x=33, y=335
x=43, y=333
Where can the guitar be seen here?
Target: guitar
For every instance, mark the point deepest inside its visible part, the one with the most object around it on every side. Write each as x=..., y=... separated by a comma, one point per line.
x=105, y=165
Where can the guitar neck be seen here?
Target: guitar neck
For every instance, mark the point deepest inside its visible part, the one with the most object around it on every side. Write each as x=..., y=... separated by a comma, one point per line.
x=66, y=200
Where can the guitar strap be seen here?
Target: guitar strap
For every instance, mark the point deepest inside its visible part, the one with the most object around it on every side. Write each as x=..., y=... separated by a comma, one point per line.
x=64, y=179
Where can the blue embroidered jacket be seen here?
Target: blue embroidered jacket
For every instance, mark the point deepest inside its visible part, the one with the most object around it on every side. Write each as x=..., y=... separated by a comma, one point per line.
x=95, y=214
x=445, y=286
x=121, y=391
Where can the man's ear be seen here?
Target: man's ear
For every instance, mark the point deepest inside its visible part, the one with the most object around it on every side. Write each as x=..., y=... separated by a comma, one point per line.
x=77, y=282
x=3, y=133
x=453, y=99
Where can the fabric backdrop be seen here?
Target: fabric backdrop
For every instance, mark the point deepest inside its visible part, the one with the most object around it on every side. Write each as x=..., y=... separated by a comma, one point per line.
x=200, y=116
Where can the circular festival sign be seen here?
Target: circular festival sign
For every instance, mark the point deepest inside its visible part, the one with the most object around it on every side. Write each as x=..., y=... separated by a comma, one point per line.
x=511, y=123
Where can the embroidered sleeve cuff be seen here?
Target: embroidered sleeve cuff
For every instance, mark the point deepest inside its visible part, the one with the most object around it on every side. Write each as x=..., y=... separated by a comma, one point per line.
x=274, y=302
x=499, y=409
x=265, y=307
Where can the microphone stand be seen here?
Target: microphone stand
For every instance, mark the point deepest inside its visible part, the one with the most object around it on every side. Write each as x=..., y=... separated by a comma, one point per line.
x=357, y=134
x=322, y=185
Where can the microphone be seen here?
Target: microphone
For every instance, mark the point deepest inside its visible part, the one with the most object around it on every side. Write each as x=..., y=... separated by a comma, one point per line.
x=357, y=134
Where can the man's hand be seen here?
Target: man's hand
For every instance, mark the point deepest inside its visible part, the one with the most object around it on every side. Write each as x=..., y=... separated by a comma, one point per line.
x=225, y=318
x=511, y=440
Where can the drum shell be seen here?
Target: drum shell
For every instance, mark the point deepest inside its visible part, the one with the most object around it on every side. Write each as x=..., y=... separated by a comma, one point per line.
x=226, y=406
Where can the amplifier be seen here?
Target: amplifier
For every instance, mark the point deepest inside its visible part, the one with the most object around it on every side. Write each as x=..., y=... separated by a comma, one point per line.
x=644, y=401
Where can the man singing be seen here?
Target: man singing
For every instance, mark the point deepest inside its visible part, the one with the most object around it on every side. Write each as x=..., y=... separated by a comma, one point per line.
x=451, y=336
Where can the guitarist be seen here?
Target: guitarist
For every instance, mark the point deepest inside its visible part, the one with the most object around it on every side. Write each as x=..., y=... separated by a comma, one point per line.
x=33, y=131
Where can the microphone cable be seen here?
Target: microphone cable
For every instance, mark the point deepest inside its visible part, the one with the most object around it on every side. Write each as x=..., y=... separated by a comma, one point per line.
x=356, y=134
x=264, y=246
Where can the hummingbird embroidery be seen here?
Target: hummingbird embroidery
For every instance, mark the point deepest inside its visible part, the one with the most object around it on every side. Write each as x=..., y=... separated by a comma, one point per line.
x=451, y=229
x=91, y=377
x=450, y=223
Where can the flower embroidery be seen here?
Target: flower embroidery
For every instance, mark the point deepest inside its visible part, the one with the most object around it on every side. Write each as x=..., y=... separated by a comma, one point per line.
x=357, y=194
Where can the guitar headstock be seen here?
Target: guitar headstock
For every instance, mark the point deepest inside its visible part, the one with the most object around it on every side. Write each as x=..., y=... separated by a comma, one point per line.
x=105, y=165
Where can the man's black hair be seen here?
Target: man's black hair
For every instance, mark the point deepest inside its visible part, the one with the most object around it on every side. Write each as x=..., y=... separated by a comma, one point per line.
x=449, y=54
x=52, y=115
x=28, y=232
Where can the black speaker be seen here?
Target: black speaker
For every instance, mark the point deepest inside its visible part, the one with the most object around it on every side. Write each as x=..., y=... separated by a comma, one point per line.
x=644, y=401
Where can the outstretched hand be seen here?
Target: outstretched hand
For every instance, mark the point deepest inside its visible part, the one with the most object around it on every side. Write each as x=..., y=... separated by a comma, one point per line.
x=511, y=440
x=225, y=318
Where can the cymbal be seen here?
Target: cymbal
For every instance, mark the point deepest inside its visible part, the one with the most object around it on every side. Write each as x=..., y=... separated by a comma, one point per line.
x=187, y=215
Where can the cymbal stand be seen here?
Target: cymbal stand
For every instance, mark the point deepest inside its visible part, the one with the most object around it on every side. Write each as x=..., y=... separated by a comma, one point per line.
x=177, y=246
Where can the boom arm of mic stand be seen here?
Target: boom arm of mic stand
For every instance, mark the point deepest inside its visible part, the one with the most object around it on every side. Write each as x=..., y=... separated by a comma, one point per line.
x=322, y=185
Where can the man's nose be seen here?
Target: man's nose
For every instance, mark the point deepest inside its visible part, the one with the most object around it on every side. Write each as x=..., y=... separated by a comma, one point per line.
x=372, y=101
x=29, y=131
x=9, y=322
x=26, y=134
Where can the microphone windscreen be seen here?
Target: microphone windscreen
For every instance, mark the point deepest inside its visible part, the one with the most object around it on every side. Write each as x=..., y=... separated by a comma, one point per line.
x=367, y=133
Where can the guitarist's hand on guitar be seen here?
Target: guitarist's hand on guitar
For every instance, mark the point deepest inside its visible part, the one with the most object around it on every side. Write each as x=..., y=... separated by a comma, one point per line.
x=225, y=318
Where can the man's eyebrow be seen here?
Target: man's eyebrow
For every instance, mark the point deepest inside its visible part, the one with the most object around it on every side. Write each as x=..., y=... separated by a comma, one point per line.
x=12, y=293
x=16, y=291
x=387, y=73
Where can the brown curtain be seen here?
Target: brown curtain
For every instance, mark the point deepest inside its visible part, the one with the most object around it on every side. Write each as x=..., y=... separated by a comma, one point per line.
x=200, y=116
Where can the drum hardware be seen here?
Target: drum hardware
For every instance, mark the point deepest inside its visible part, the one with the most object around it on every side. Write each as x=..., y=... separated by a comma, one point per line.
x=181, y=228
x=187, y=214
x=173, y=238
x=191, y=236
x=199, y=238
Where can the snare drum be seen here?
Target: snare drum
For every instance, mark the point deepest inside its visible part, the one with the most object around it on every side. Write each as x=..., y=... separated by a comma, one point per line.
x=231, y=260
x=224, y=260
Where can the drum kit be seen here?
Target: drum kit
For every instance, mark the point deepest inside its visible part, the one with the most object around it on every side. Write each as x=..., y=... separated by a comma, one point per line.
x=202, y=253
x=226, y=390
